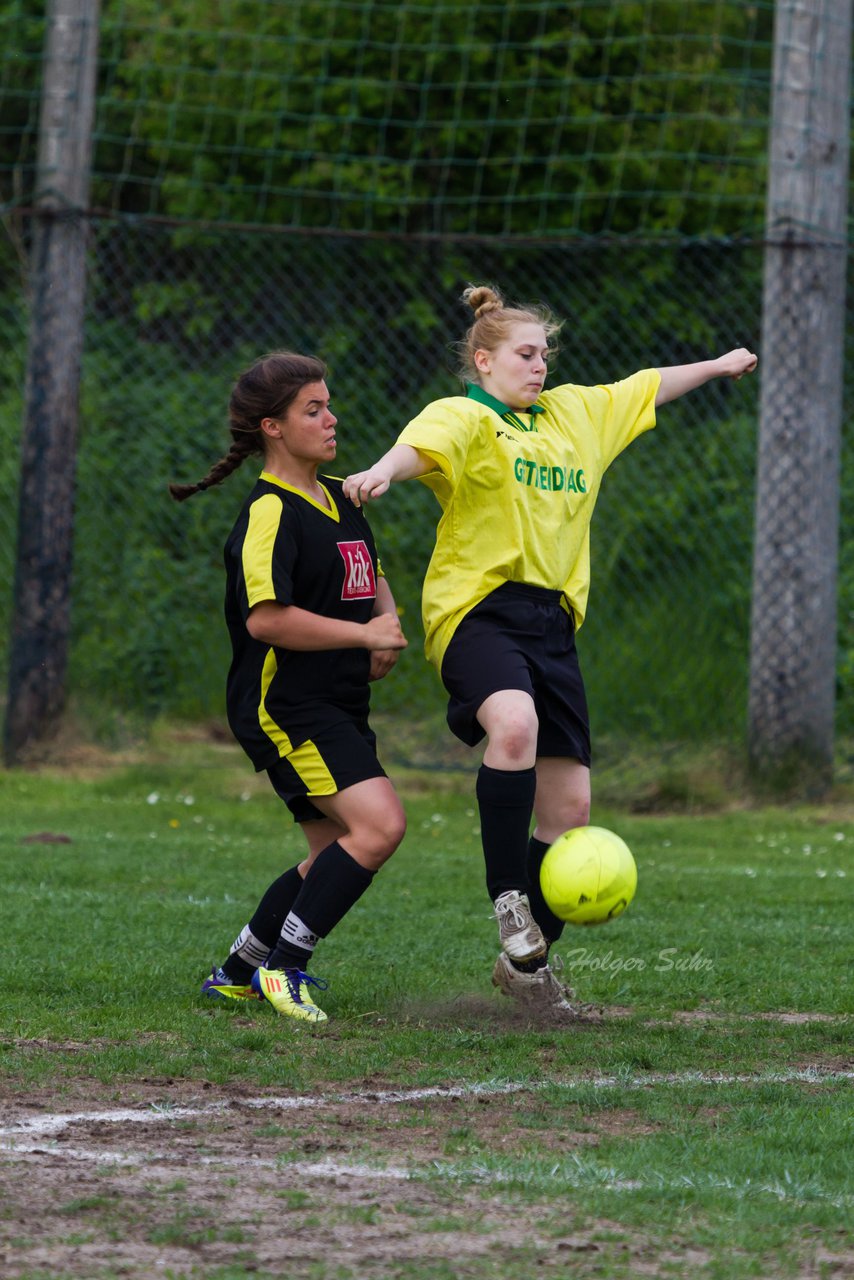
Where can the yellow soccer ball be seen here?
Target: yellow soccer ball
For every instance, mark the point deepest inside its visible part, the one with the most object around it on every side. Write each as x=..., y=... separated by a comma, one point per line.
x=588, y=876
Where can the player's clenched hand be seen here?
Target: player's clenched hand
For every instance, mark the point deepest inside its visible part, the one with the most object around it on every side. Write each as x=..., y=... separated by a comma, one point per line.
x=385, y=632
x=364, y=485
x=382, y=661
x=738, y=362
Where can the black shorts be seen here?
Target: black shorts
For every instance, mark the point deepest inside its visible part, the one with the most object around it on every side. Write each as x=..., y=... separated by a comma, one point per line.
x=519, y=637
x=337, y=757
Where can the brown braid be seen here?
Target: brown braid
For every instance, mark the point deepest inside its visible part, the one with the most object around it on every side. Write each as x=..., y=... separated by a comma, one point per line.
x=238, y=453
x=265, y=390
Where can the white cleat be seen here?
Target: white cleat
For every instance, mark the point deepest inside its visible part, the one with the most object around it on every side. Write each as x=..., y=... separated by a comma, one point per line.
x=540, y=990
x=518, y=932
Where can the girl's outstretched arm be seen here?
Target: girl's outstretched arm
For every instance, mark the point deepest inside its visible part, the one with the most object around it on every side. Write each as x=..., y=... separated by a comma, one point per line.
x=402, y=462
x=679, y=378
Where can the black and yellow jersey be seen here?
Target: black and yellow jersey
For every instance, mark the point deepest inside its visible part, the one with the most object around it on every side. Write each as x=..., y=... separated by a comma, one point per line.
x=287, y=548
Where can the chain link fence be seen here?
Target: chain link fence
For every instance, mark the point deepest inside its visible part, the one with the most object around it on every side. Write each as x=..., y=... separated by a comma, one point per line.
x=173, y=314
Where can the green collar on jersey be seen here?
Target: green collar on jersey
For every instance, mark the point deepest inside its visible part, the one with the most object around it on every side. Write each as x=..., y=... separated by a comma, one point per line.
x=474, y=392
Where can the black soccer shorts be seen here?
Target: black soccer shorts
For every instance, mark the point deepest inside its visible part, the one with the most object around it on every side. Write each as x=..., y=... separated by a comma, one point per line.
x=519, y=637
x=336, y=757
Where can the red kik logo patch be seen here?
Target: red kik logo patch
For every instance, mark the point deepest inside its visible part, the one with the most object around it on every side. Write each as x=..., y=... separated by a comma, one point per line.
x=359, y=580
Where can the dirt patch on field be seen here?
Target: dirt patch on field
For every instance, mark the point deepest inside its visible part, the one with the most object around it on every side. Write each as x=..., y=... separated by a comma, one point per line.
x=170, y=1178
x=793, y=1018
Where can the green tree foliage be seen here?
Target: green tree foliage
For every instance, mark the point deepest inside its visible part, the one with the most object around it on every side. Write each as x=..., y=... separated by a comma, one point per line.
x=528, y=117
x=477, y=126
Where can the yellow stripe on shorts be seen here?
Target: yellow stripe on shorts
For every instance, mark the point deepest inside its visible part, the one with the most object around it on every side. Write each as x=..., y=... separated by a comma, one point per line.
x=305, y=760
x=312, y=769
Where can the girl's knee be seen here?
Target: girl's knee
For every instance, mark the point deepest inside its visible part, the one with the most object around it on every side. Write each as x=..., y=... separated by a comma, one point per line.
x=579, y=814
x=394, y=829
x=384, y=836
x=567, y=816
x=515, y=740
x=557, y=814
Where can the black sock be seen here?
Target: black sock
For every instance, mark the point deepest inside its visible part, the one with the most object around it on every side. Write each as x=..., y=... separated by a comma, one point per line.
x=334, y=883
x=506, y=801
x=270, y=913
x=529, y=966
x=264, y=927
x=550, y=924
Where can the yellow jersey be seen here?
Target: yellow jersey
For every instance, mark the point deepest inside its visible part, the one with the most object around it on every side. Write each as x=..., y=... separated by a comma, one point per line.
x=517, y=491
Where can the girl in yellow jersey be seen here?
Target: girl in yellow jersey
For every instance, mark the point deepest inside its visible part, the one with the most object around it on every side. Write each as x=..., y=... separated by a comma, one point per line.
x=516, y=470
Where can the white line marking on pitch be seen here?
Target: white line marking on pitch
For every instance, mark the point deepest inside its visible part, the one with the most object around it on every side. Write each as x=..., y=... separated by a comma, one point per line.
x=47, y=1126
x=151, y=1158
x=27, y=1137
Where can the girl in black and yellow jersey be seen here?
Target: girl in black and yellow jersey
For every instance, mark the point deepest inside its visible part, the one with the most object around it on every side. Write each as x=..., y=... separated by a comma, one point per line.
x=517, y=471
x=312, y=621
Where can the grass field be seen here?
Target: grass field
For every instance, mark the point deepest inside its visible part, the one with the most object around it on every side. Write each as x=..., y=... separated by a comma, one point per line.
x=701, y=1127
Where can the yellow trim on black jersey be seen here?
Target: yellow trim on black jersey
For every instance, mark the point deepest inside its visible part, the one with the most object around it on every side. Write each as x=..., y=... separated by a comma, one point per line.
x=274, y=732
x=281, y=553
x=257, y=550
x=331, y=510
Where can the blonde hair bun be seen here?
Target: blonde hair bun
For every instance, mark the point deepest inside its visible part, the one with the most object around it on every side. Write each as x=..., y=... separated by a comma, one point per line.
x=482, y=299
